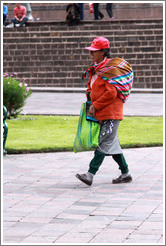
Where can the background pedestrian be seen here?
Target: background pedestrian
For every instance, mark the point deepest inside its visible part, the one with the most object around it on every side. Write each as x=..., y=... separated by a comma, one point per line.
x=5, y=11
x=97, y=13
x=20, y=12
x=73, y=14
x=109, y=10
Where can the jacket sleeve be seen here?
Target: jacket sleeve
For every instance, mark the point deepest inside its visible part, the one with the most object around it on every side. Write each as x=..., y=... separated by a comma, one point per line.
x=106, y=98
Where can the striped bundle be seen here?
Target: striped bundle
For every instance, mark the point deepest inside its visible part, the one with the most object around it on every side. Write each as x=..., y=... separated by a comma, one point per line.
x=117, y=72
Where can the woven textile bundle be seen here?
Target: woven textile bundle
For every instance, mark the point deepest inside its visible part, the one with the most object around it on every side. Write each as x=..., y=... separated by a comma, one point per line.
x=117, y=72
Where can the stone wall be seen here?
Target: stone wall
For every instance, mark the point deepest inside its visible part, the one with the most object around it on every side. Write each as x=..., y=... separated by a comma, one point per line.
x=52, y=54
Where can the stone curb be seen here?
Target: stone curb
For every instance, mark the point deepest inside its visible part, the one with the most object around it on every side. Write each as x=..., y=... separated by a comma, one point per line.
x=82, y=90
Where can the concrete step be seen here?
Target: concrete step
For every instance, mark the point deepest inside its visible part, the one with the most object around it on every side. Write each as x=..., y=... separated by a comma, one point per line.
x=83, y=37
x=52, y=66
x=64, y=33
x=133, y=40
x=83, y=59
x=51, y=52
x=66, y=59
x=66, y=50
x=89, y=25
x=76, y=69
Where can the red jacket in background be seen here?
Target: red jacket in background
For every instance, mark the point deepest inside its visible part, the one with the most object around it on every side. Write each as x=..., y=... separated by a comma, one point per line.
x=20, y=12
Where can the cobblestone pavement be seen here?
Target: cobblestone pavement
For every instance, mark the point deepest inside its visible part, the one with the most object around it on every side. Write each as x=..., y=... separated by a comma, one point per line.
x=44, y=202
x=138, y=104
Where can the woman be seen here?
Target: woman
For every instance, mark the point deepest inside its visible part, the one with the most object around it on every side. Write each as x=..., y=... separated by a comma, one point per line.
x=108, y=88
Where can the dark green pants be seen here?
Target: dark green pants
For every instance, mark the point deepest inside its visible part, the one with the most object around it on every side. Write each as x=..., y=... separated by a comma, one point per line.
x=99, y=157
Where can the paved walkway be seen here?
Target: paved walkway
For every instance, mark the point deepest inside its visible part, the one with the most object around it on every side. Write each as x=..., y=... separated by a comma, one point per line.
x=45, y=203
x=138, y=104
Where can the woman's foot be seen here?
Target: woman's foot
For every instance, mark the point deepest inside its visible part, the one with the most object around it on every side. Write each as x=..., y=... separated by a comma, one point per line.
x=85, y=178
x=122, y=179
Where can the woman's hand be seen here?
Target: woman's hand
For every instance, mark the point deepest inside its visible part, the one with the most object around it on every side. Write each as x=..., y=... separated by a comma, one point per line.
x=92, y=110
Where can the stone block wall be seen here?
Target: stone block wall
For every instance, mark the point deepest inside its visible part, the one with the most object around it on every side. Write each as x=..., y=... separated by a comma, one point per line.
x=53, y=54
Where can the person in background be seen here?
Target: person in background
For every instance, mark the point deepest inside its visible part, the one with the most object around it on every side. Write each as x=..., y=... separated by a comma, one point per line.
x=73, y=14
x=29, y=11
x=81, y=5
x=97, y=13
x=5, y=11
x=109, y=87
x=19, y=15
x=109, y=10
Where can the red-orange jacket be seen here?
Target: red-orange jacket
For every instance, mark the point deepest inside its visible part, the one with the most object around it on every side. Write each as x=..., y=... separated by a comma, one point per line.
x=105, y=99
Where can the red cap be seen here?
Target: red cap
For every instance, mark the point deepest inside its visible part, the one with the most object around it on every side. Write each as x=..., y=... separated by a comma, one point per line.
x=99, y=43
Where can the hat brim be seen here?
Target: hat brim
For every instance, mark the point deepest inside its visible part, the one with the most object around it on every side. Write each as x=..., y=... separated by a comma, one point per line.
x=91, y=48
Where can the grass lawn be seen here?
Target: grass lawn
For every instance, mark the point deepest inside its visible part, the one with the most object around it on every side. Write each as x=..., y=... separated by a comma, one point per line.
x=28, y=134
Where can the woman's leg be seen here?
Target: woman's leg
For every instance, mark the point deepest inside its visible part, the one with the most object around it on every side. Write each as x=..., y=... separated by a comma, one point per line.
x=96, y=162
x=119, y=158
x=94, y=165
x=125, y=176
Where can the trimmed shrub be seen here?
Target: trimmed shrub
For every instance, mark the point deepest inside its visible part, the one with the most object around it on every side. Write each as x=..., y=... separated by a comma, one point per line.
x=15, y=94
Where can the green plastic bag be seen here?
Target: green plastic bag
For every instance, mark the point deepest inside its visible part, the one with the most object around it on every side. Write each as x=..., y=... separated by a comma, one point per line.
x=87, y=137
